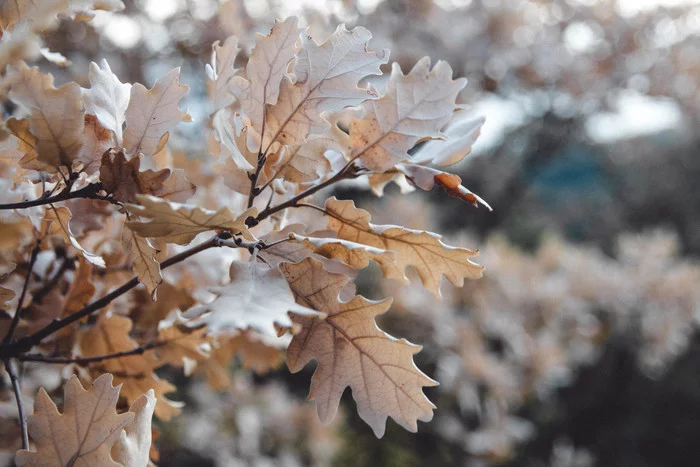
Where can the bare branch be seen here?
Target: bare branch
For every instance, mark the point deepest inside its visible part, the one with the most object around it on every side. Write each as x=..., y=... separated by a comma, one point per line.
x=89, y=191
x=85, y=360
x=18, y=311
x=20, y=405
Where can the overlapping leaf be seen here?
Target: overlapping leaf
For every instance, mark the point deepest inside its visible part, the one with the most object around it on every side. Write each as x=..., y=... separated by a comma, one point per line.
x=152, y=113
x=180, y=223
x=352, y=351
x=258, y=298
x=415, y=107
x=431, y=258
x=83, y=434
x=107, y=98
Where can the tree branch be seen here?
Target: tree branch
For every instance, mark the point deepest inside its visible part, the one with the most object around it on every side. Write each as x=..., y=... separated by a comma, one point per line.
x=20, y=405
x=85, y=360
x=89, y=191
x=25, y=344
x=18, y=311
x=347, y=172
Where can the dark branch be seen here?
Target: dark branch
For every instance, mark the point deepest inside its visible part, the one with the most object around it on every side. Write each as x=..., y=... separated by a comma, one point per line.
x=18, y=311
x=89, y=191
x=85, y=360
x=20, y=405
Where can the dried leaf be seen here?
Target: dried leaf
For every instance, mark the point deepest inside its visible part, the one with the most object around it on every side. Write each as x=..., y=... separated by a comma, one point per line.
x=133, y=447
x=258, y=298
x=353, y=254
x=266, y=67
x=222, y=70
x=431, y=258
x=152, y=113
x=176, y=188
x=56, y=222
x=143, y=255
x=83, y=434
x=352, y=351
x=415, y=107
x=96, y=140
x=180, y=344
x=107, y=98
x=57, y=117
x=427, y=177
x=181, y=223
x=326, y=79
x=135, y=372
x=460, y=135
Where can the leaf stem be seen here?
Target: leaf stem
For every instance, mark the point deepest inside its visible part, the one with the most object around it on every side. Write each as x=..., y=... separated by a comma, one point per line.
x=18, y=311
x=20, y=405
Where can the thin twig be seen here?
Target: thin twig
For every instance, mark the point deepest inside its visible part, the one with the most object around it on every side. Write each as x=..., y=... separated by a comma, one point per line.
x=20, y=405
x=39, y=295
x=18, y=311
x=346, y=172
x=85, y=360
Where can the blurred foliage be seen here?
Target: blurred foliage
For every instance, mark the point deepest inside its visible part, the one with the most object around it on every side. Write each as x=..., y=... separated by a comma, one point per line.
x=578, y=347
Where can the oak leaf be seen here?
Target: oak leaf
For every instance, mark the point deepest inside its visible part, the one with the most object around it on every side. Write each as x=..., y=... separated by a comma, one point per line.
x=460, y=135
x=152, y=113
x=352, y=351
x=431, y=258
x=143, y=255
x=415, y=107
x=181, y=223
x=135, y=372
x=56, y=222
x=107, y=98
x=96, y=140
x=265, y=69
x=326, y=78
x=178, y=345
x=221, y=71
x=258, y=298
x=80, y=436
x=57, y=116
x=133, y=447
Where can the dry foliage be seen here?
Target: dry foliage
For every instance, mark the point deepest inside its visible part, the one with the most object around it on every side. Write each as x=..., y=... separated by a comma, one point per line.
x=296, y=120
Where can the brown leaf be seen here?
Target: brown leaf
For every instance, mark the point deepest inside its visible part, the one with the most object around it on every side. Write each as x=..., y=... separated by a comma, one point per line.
x=352, y=351
x=152, y=113
x=431, y=258
x=415, y=107
x=96, y=140
x=57, y=117
x=122, y=178
x=180, y=345
x=326, y=79
x=427, y=177
x=83, y=434
x=181, y=223
x=56, y=222
x=143, y=255
x=135, y=372
x=27, y=145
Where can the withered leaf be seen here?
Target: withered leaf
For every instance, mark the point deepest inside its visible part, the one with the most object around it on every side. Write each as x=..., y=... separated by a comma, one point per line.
x=352, y=351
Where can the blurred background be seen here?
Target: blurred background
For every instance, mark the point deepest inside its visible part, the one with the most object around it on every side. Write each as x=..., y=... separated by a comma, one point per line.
x=579, y=347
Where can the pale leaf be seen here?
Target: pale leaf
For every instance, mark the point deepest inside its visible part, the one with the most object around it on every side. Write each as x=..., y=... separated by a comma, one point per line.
x=265, y=69
x=415, y=107
x=135, y=372
x=326, y=79
x=54, y=57
x=176, y=188
x=143, y=255
x=222, y=70
x=181, y=223
x=258, y=298
x=56, y=222
x=460, y=135
x=152, y=113
x=96, y=140
x=107, y=98
x=431, y=258
x=83, y=434
x=57, y=117
x=352, y=351
x=133, y=447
